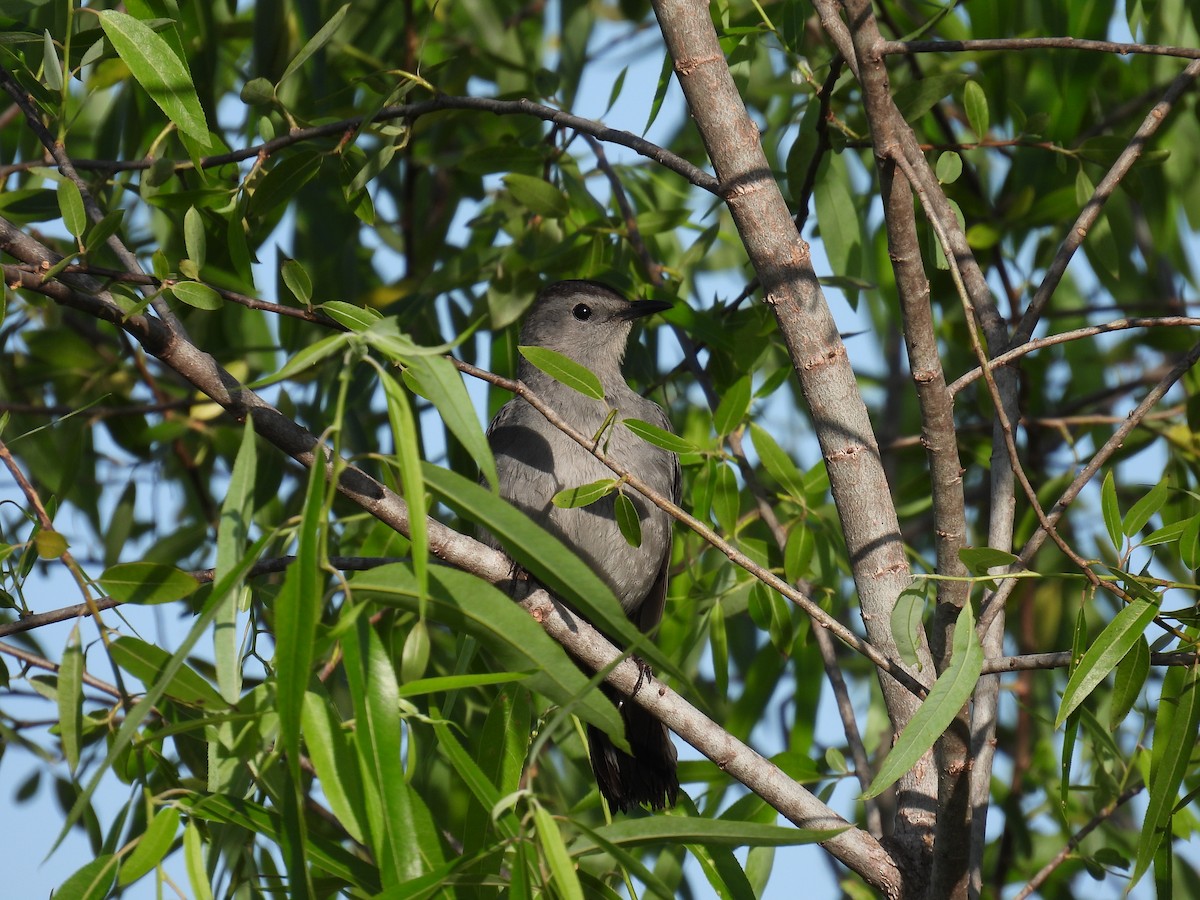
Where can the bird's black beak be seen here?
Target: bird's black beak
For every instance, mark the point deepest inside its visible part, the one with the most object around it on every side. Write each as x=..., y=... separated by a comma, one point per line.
x=643, y=308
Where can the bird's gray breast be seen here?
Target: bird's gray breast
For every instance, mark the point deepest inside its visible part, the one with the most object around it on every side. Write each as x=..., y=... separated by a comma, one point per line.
x=535, y=461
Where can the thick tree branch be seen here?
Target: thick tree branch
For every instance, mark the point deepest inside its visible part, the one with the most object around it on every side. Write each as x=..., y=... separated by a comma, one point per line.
x=893, y=48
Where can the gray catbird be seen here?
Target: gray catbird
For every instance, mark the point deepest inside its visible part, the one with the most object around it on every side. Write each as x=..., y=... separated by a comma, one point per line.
x=590, y=322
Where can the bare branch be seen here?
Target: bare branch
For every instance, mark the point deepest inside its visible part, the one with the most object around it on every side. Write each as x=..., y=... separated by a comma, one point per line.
x=893, y=48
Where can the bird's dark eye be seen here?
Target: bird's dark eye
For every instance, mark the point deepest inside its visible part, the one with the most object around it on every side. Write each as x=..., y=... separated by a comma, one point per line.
x=582, y=312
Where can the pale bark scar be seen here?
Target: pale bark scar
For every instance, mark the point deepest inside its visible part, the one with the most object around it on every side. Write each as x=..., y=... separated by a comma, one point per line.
x=826, y=359
x=685, y=67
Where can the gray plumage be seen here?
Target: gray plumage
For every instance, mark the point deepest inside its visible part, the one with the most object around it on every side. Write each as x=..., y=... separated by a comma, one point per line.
x=590, y=323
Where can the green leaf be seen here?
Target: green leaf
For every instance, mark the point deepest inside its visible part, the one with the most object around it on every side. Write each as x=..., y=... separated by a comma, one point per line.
x=554, y=851
x=296, y=277
x=481, y=787
x=193, y=293
x=732, y=408
x=628, y=521
x=156, y=688
x=49, y=544
x=979, y=560
x=976, y=105
x=70, y=698
x=439, y=382
x=908, y=622
x=537, y=195
x=194, y=238
x=91, y=882
x=412, y=482
x=333, y=758
x=1103, y=654
x=52, y=70
x=150, y=665
x=838, y=217
x=1112, y=511
x=1175, y=728
x=161, y=73
x=659, y=437
x=1131, y=675
x=283, y=182
x=585, y=494
x=414, y=656
x=297, y=613
x=726, y=500
x=373, y=690
x=1189, y=543
x=70, y=204
x=193, y=860
x=97, y=235
x=565, y=370
x=952, y=689
x=152, y=846
x=349, y=316
x=918, y=97
x=465, y=604
x=660, y=92
x=1141, y=512
x=777, y=462
x=325, y=855
x=315, y=43
x=949, y=167
x=671, y=830
x=233, y=536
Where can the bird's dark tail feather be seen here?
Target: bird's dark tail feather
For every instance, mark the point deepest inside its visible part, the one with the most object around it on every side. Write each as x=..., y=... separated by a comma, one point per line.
x=648, y=777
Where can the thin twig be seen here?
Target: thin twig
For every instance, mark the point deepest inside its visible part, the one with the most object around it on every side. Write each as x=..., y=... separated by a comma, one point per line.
x=1063, y=337
x=38, y=662
x=895, y=48
x=1062, y=658
x=1076, y=839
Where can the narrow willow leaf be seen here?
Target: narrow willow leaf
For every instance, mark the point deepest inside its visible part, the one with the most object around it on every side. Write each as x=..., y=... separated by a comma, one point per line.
x=467, y=605
x=1175, y=729
x=441, y=384
x=1141, y=512
x=307, y=358
x=838, y=217
x=546, y=559
x=584, y=495
x=414, y=656
x=161, y=73
x=659, y=437
x=193, y=293
x=152, y=846
x=52, y=71
x=660, y=92
x=97, y=235
x=726, y=500
x=979, y=560
x=70, y=698
x=297, y=612
x=1103, y=654
x=325, y=855
x=412, y=482
x=627, y=520
x=443, y=684
x=565, y=370
x=718, y=640
x=233, y=536
x=477, y=782
x=193, y=859
x=373, y=690
x=1189, y=543
x=70, y=204
x=315, y=43
x=149, y=664
x=537, y=195
x=554, y=852
x=705, y=832
x=951, y=690
x=91, y=882
x=976, y=105
x=1131, y=676
x=156, y=688
x=194, y=239
x=907, y=622
x=297, y=279
x=777, y=462
x=281, y=184
x=1079, y=640
x=1112, y=511
x=334, y=761
x=732, y=408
